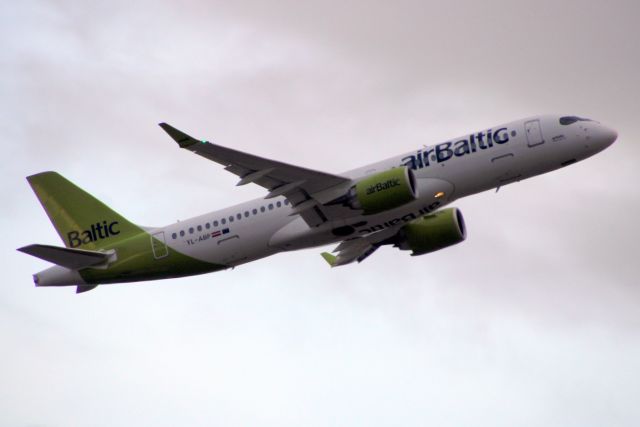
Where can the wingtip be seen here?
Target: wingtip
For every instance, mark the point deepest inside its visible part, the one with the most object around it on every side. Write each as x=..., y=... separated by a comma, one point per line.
x=178, y=136
x=331, y=259
x=84, y=288
x=24, y=249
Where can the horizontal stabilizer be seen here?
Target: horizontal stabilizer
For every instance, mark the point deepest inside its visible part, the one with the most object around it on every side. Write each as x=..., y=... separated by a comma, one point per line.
x=73, y=259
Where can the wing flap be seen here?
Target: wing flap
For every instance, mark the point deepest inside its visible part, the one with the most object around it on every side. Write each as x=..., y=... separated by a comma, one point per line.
x=253, y=176
x=359, y=248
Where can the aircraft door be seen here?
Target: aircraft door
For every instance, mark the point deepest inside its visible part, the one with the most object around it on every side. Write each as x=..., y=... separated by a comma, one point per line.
x=534, y=133
x=159, y=245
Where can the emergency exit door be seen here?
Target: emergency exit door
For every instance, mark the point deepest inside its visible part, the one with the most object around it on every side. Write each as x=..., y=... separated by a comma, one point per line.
x=534, y=133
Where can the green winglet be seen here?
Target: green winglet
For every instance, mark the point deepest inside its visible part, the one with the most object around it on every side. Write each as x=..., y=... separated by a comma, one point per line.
x=331, y=259
x=178, y=136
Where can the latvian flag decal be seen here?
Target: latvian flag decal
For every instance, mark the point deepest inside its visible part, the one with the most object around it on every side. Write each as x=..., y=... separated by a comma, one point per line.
x=220, y=232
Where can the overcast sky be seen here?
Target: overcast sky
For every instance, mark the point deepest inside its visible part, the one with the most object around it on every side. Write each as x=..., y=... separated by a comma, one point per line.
x=534, y=320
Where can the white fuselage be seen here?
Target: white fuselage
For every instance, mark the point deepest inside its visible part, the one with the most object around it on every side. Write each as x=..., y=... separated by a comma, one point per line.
x=458, y=167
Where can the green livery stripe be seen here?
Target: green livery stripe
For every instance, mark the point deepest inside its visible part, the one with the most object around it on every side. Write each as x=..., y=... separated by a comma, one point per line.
x=84, y=222
x=136, y=262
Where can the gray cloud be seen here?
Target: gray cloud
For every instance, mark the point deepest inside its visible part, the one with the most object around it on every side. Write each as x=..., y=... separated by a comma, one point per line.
x=533, y=320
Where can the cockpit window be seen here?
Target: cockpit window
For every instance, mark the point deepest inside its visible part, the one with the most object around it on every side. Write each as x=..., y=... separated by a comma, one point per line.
x=567, y=120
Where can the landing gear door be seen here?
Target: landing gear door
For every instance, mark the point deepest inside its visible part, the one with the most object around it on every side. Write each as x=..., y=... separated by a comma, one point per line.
x=158, y=245
x=534, y=133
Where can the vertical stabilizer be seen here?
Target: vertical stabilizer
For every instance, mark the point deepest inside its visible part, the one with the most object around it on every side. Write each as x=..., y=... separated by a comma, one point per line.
x=81, y=220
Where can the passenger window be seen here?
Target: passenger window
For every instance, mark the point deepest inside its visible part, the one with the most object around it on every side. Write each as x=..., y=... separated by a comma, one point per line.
x=190, y=230
x=231, y=218
x=255, y=211
x=173, y=236
x=215, y=223
x=270, y=206
x=181, y=233
x=223, y=220
x=199, y=228
x=246, y=214
x=262, y=209
x=286, y=202
x=207, y=226
x=239, y=216
x=278, y=204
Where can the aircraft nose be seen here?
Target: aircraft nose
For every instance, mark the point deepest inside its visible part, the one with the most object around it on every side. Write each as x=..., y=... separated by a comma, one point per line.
x=604, y=136
x=610, y=135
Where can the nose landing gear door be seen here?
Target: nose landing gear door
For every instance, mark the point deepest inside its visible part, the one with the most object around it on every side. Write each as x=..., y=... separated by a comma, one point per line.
x=534, y=133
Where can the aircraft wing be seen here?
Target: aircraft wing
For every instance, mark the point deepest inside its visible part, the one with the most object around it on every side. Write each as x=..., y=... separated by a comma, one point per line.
x=297, y=184
x=359, y=248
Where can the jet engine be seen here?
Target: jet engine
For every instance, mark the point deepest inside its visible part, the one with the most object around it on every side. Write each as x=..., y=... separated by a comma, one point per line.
x=381, y=191
x=432, y=232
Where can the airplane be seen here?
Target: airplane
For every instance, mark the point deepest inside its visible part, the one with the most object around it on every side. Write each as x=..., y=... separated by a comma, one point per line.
x=399, y=202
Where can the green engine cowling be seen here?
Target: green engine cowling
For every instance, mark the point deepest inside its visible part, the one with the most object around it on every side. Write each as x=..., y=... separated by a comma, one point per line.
x=433, y=232
x=384, y=191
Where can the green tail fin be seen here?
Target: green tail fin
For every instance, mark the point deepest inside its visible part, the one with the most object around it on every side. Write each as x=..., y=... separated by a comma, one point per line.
x=81, y=220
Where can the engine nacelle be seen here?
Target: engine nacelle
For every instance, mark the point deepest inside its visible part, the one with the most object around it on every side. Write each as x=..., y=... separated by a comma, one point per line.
x=381, y=192
x=433, y=232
